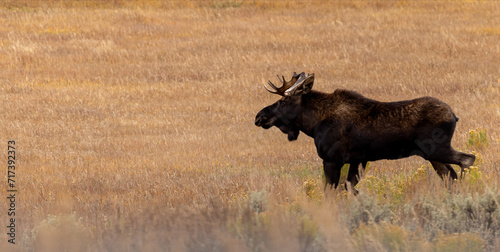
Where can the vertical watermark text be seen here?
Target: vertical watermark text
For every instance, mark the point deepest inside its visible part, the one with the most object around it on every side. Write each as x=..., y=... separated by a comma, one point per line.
x=11, y=191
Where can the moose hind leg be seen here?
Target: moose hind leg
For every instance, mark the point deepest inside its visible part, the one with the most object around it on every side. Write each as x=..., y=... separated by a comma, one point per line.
x=444, y=170
x=453, y=173
x=448, y=155
x=354, y=175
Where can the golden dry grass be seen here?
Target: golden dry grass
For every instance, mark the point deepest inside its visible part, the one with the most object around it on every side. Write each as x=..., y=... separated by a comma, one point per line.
x=134, y=120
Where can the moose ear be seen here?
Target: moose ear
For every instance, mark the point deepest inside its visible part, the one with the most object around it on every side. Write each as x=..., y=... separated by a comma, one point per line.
x=306, y=87
x=303, y=85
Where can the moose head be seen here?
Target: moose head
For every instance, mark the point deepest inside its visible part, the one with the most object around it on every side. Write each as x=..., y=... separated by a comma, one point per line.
x=285, y=111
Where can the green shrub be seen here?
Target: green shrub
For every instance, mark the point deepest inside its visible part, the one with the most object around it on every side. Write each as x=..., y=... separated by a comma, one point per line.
x=387, y=237
x=457, y=213
x=309, y=237
x=312, y=190
x=393, y=189
x=478, y=139
x=365, y=209
x=59, y=233
x=258, y=201
x=465, y=242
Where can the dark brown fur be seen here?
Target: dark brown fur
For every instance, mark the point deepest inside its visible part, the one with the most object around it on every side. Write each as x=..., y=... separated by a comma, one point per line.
x=350, y=128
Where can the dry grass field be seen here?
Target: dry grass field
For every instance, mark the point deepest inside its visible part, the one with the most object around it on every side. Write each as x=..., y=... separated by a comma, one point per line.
x=134, y=124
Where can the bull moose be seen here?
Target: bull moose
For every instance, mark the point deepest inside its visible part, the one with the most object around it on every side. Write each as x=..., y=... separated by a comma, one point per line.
x=349, y=128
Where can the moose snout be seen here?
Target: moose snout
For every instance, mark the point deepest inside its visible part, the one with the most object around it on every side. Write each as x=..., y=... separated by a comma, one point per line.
x=259, y=120
x=263, y=121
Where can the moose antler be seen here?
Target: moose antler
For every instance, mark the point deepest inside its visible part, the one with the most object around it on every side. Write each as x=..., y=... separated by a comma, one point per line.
x=285, y=84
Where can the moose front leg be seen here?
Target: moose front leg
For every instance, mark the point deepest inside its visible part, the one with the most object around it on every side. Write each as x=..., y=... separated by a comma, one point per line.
x=332, y=173
x=354, y=175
